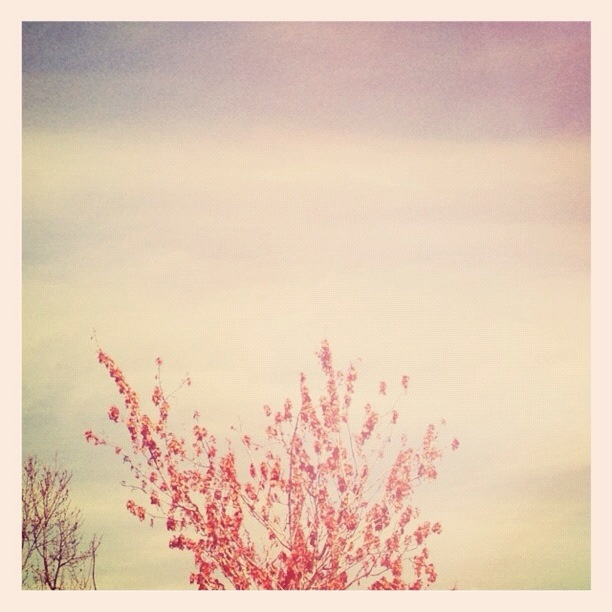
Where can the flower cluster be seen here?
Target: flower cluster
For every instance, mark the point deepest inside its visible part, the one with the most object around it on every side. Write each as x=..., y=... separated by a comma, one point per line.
x=332, y=514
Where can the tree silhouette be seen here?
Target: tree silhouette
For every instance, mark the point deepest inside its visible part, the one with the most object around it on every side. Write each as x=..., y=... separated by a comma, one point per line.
x=311, y=506
x=53, y=554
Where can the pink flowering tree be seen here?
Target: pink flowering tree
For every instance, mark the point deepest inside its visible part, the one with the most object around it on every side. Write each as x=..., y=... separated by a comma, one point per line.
x=314, y=502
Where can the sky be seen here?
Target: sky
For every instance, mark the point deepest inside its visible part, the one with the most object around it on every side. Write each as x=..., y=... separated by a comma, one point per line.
x=226, y=195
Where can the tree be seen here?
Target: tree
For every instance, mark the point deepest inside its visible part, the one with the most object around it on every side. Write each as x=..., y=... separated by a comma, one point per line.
x=310, y=508
x=53, y=555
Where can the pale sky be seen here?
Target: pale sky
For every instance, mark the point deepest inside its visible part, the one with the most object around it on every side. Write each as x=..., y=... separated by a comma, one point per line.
x=226, y=195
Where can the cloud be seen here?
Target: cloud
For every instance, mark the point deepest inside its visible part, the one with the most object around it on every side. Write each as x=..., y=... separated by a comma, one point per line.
x=441, y=79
